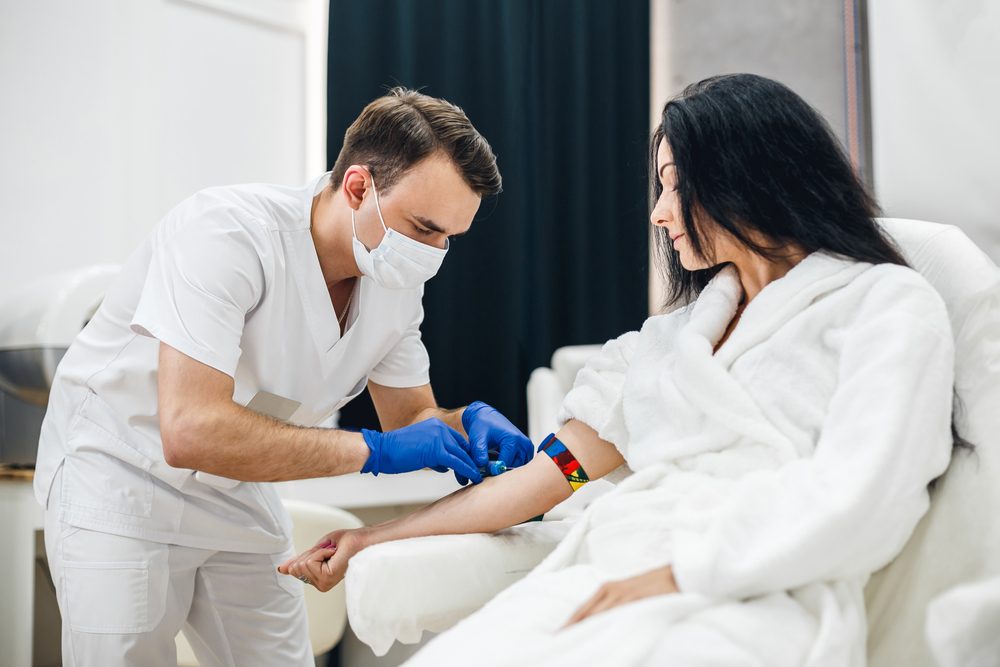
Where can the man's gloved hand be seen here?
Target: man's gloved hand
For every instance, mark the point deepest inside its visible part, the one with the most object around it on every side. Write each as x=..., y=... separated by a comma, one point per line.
x=427, y=444
x=489, y=430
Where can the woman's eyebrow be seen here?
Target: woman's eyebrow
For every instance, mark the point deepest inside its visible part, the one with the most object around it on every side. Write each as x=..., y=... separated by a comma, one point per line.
x=664, y=166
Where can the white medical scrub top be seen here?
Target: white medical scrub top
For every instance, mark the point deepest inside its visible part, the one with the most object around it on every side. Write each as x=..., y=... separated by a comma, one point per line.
x=231, y=278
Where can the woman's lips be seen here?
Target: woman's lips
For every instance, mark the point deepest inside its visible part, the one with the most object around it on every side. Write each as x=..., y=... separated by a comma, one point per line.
x=675, y=239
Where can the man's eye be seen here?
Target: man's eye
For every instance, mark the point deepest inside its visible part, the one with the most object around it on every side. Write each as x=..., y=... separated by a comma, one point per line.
x=425, y=232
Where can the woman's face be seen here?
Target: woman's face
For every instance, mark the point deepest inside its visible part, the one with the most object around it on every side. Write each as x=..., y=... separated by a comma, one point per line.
x=666, y=213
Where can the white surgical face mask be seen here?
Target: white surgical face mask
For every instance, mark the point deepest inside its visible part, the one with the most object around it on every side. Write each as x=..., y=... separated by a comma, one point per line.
x=398, y=262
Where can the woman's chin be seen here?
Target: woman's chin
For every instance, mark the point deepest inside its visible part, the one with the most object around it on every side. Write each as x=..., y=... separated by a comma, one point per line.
x=691, y=263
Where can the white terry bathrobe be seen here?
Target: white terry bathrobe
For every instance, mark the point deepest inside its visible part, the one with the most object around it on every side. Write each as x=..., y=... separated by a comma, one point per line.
x=774, y=476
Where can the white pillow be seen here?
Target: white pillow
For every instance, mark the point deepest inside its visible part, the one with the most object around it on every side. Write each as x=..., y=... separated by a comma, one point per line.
x=962, y=625
x=959, y=538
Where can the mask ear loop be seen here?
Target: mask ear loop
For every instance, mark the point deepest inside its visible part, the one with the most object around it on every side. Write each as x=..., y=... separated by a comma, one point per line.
x=354, y=224
x=377, y=207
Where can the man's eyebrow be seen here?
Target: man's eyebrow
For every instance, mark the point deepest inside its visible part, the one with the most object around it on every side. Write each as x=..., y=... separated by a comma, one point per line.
x=433, y=226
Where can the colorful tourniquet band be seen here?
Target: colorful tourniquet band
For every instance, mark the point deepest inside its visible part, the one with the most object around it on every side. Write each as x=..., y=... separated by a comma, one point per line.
x=570, y=467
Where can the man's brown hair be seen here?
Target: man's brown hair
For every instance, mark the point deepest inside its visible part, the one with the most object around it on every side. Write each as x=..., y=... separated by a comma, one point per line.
x=398, y=130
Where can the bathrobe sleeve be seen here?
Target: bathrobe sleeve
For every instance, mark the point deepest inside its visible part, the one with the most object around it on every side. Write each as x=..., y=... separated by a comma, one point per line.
x=596, y=396
x=849, y=509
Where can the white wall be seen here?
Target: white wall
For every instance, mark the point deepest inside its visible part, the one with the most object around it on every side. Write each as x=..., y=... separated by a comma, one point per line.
x=935, y=92
x=798, y=43
x=114, y=110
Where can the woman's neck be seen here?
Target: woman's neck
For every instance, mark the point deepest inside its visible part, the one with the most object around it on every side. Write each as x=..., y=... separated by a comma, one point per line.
x=757, y=272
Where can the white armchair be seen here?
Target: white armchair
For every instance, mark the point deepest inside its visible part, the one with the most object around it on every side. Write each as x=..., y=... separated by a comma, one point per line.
x=548, y=386
x=395, y=591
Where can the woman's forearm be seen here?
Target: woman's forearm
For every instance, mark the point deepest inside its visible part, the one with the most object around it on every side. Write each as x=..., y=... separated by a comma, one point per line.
x=496, y=503
x=504, y=501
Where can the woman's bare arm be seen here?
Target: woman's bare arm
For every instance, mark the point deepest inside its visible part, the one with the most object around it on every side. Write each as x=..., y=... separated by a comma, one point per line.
x=496, y=503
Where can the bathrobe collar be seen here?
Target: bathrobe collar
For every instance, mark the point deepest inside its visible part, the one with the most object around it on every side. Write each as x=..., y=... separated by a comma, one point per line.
x=780, y=300
x=705, y=379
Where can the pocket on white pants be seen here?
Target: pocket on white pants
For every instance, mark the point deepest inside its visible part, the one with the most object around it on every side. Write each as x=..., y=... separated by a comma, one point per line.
x=112, y=584
x=107, y=597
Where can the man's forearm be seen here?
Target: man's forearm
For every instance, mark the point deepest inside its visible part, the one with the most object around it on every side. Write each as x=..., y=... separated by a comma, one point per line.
x=237, y=443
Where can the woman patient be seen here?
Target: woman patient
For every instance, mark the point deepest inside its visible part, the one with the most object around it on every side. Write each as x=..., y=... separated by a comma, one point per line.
x=782, y=427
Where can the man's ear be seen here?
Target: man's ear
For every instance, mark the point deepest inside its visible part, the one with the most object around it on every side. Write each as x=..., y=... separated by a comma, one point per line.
x=355, y=185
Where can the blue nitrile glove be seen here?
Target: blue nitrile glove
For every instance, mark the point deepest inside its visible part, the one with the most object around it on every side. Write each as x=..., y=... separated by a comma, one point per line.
x=489, y=430
x=427, y=444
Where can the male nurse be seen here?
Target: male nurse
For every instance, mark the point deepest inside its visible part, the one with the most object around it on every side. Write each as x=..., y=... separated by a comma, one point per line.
x=233, y=334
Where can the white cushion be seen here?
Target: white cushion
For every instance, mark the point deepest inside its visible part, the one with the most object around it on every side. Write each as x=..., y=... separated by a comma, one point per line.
x=962, y=625
x=397, y=590
x=959, y=538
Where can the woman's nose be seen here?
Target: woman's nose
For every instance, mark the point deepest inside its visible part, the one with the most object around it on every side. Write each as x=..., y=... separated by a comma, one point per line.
x=658, y=216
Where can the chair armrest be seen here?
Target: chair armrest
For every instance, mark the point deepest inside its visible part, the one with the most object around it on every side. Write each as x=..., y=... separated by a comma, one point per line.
x=397, y=590
x=545, y=394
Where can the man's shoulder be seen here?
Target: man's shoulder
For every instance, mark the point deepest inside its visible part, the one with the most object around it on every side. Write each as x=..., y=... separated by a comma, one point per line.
x=256, y=206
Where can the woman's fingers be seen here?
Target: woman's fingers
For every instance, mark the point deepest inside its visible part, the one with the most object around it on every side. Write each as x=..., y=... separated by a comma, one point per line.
x=324, y=565
x=659, y=581
x=596, y=603
x=294, y=566
x=321, y=571
x=285, y=568
x=328, y=541
x=301, y=557
x=299, y=568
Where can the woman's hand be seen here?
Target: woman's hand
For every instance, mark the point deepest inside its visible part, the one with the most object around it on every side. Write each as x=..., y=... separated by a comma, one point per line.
x=616, y=593
x=325, y=564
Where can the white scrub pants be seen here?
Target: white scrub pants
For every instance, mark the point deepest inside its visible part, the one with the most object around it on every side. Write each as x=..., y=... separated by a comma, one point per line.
x=123, y=600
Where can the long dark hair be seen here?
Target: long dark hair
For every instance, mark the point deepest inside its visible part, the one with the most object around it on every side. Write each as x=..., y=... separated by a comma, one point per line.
x=755, y=159
x=752, y=156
